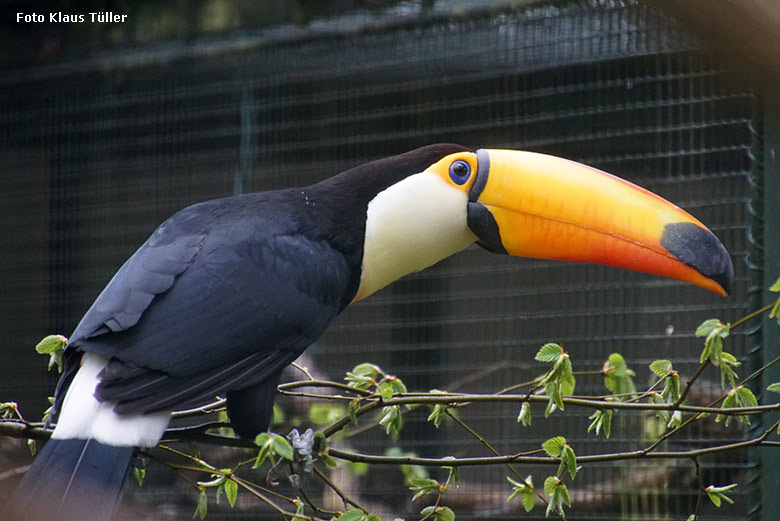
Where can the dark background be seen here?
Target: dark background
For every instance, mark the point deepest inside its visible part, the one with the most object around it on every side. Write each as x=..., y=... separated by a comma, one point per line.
x=107, y=130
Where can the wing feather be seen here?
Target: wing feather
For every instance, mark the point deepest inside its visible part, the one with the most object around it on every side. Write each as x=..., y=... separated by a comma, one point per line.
x=220, y=297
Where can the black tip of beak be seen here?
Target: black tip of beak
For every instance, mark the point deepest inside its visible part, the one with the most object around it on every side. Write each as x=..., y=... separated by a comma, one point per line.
x=701, y=250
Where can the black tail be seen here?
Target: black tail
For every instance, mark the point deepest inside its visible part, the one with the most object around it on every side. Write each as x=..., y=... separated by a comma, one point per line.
x=72, y=480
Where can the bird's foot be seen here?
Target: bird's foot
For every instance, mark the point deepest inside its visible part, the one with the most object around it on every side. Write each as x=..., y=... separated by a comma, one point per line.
x=297, y=471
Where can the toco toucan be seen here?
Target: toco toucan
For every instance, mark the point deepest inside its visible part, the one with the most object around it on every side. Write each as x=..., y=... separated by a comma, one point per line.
x=228, y=292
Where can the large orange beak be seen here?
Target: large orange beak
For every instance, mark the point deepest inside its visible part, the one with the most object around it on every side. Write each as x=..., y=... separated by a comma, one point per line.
x=534, y=205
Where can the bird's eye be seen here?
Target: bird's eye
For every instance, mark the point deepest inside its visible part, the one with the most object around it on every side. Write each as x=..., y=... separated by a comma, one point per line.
x=460, y=171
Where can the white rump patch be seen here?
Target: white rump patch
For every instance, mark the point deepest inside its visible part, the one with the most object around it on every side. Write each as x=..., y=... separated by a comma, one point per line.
x=84, y=417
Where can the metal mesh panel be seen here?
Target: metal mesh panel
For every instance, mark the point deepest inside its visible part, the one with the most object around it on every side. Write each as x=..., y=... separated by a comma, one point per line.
x=93, y=159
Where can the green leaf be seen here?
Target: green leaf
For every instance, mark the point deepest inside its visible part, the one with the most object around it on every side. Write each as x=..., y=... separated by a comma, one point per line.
x=386, y=390
x=549, y=353
x=363, y=376
x=423, y=486
x=299, y=510
x=200, y=510
x=607, y=422
x=47, y=412
x=391, y=419
x=373, y=517
x=567, y=377
x=775, y=387
x=558, y=382
x=438, y=414
x=51, y=344
x=738, y=397
x=675, y=420
x=353, y=408
x=398, y=385
x=222, y=481
x=319, y=443
x=554, y=446
x=555, y=400
x=354, y=514
x=727, y=362
x=528, y=497
x=602, y=419
x=367, y=369
x=526, y=491
x=139, y=474
x=359, y=381
x=32, y=445
x=775, y=287
x=445, y=514
x=775, y=313
x=554, y=390
x=706, y=327
x=715, y=331
x=661, y=367
x=9, y=410
x=617, y=375
x=262, y=438
x=746, y=397
x=265, y=442
x=716, y=494
x=329, y=461
x=438, y=513
x=454, y=476
x=283, y=448
x=563, y=491
x=549, y=485
x=231, y=491
x=569, y=459
x=558, y=495
x=525, y=414
x=423, y=483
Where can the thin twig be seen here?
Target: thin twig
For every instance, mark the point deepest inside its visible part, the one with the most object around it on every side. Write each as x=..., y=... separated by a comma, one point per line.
x=544, y=460
x=325, y=397
x=701, y=487
x=346, y=499
x=753, y=314
x=302, y=369
x=690, y=383
x=250, y=487
x=323, y=383
x=200, y=411
x=484, y=442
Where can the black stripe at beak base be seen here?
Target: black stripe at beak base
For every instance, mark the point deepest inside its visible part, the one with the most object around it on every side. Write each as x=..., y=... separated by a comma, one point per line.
x=483, y=169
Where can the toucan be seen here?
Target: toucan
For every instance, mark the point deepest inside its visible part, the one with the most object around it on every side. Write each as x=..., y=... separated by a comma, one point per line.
x=227, y=292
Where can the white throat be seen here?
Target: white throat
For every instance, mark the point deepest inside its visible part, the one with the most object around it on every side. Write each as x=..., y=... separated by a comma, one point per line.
x=411, y=225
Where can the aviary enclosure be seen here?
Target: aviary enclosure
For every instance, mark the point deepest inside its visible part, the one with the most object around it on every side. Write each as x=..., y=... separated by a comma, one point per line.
x=96, y=152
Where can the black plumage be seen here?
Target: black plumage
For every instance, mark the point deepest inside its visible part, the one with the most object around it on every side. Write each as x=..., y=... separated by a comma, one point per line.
x=75, y=480
x=227, y=292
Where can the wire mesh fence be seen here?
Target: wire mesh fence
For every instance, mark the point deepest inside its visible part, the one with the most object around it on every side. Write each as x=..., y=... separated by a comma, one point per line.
x=96, y=155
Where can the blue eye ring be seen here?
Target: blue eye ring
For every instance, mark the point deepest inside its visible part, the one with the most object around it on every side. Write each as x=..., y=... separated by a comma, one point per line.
x=460, y=171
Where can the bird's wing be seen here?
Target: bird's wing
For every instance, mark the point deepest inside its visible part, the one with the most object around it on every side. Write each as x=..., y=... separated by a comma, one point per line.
x=222, y=307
